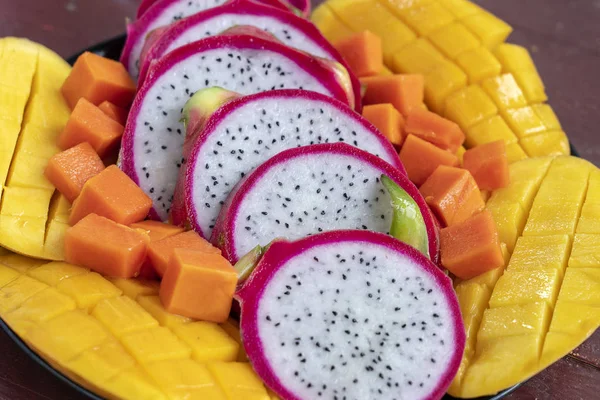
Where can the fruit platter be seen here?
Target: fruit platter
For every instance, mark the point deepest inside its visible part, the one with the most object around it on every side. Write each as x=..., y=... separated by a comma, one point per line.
x=260, y=199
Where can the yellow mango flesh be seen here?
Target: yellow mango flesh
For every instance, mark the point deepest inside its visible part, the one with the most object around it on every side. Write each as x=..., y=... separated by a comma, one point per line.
x=546, y=301
x=32, y=115
x=107, y=335
x=455, y=43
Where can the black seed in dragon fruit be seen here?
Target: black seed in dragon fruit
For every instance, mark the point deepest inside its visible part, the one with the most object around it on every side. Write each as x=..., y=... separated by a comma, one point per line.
x=351, y=314
x=247, y=131
x=309, y=190
x=288, y=28
x=244, y=59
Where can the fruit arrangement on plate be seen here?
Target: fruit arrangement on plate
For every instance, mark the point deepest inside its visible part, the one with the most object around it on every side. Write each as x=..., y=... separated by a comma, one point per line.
x=372, y=200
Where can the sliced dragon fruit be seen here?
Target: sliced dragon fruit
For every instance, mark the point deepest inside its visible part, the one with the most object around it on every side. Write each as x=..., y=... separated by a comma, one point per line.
x=151, y=152
x=308, y=190
x=351, y=314
x=246, y=132
x=288, y=28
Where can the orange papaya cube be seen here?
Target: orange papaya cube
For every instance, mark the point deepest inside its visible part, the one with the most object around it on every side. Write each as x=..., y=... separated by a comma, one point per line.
x=471, y=248
x=156, y=231
x=363, y=53
x=452, y=194
x=435, y=129
x=488, y=164
x=111, y=194
x=198, y=285
x=98, y=79
x=69, y=170
x=117, y=113
x=421, y=158
x=387, y=120
x=106, y=247
x=404, y=91
x=88, y=123
x=160, y=251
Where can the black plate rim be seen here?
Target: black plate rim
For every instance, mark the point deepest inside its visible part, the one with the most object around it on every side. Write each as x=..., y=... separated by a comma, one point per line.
x=112, y=48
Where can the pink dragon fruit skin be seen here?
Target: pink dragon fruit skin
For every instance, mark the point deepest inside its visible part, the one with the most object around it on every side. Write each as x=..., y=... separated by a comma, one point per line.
x=224, y=232
x=305, y=67
x=290, y=29
x=292, y=273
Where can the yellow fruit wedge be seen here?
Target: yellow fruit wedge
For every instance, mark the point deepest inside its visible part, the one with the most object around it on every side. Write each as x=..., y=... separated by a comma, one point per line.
x=32, y=115
x=115, y=345
x=490, y=88
x=546, y=302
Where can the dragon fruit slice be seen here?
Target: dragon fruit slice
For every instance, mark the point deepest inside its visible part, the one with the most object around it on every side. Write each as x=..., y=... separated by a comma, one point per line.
x=351, y=314
x=288, y=28
x=151, y=151
x=247, y=131
x=308, y=190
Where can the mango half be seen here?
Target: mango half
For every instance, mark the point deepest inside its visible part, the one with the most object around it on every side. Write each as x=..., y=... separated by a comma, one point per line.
x=33, y=217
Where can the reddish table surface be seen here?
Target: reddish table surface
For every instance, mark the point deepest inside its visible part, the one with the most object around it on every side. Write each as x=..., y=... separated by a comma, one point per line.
x=564, y=38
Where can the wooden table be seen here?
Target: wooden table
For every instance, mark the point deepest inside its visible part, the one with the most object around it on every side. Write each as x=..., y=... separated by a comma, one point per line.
x=564, y=38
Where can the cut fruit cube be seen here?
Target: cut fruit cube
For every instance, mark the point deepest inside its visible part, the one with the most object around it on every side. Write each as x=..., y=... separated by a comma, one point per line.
x=363, y=53
x=442, y=81
x=454, y=39
x=523, y=287
x=514, y=153
x=88, y=289
x=426, y=18
x=417, y=57
x=564, y=320
x=157, y=230
x=514, y=58
x=469, y=106
x=117, y=113
x=136, y=287
x=523, y=121
x=488, y=165
x=547, y=115
x=387, y=120
x=155, y=344
x=7, y=275
x=404, y=91
x=490, y=29
x=238, y=381
x=134, y=383
x=435, y=129
x=184, y=379
x=461, y=8
x=581, y=286
x=16, y=292
x=540, y=252
x=532, y=85
x=552, y=143
x=209, y=342
x=421, y=158
x=42, y=306
x=490, y=130
x=55, y=272
x=585, y=251
x=329, y=24
x=154, y=306
x=510, y=220
x=478, y=64
x=122, y=315
x=504, y=91
x=101, y=363
x=532, y=318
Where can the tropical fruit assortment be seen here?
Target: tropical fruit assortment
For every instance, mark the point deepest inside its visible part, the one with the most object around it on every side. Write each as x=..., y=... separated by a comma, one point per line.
x=252, y=206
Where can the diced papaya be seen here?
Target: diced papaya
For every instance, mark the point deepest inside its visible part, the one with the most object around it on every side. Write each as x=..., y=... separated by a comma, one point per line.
x=160, y=251
x=471, y=248
x=88, y=123
x=198, y=285
x=98, y=79
x=111, y=194
x=488, y=165
x=69, y=170
x=421, y=158
x=452, y=194
x=387, y=120
x=105, y=246
x=435, y=129
x=404, y=91
x=157, y=231
x=363, y=53
x=117, y=113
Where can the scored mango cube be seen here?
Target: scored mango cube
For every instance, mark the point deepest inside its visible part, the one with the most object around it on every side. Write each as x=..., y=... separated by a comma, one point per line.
x=557, y=345
x=68, y=335
x=505, y=91
x=417, y=57
x=136, y=287
x=15, y=293
x=523, y=287
x=209, y=342
x=155, y=344
x=553, y=143
x=41, y=307
x=461, y=8
x=479, y=64
x=53, y=273
x=490, y=29
x=454, y=39
x=17, y=201
x=514, y=153
x=20, y=263
x=100, y=363
x=589, y=221
x=330, y=25
x=7, y=275
x=523, y=121
x=532, y=318
x=88, y=289
x=133, y=383
x=440, y=82
x=238, y=380
x=540, y=252
x=427, y=18
x=532, y=85
x=510, y=220
x=123, y=315
x=582, y=286
x=23, y=233
x=552, y=219
x=514, y=58
x=489, y=130
x=469, y=106
x=547, y=115
x=472, y=299
x=154, y=306
x=565, y=320
x=184, y=379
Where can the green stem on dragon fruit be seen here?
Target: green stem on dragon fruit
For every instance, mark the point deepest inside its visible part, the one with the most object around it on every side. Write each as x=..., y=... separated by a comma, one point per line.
x=408, y=225
x=247, y=263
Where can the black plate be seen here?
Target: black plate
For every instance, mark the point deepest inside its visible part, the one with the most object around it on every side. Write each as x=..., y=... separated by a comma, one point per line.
x=111, y=48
